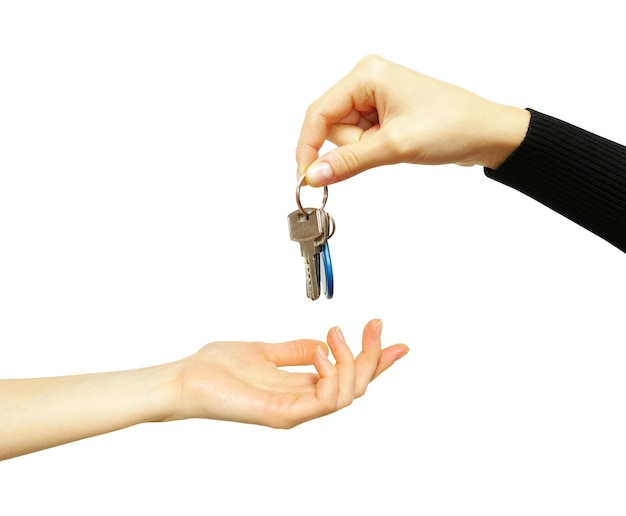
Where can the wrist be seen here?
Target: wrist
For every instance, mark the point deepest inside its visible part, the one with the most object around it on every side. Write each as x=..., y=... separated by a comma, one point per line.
x=166, y=384
x=506, y=130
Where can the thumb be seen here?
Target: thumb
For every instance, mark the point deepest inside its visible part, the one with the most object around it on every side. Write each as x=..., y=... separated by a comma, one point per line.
x=346, y=161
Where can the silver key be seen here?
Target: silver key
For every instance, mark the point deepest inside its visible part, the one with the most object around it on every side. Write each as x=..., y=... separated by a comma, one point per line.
x=324, y=261
x=328, y=225
x=310, y=230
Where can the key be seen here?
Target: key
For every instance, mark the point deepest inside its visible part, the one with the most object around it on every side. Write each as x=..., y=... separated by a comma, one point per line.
x=327, y=271
x=310, y=231
x=325, y=263
x=328, y=224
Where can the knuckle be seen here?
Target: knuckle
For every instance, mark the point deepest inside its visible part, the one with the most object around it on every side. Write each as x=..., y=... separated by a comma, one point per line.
x=312, y=109
x=303, y=351
x=279, y=412
x=371, y=61
x=315, y=113
x=360, y=391
x=327, y=406
x=397, y=143
x=346, y=402
x=373, y=67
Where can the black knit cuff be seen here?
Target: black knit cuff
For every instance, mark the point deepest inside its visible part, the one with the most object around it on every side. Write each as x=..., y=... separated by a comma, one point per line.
x=572, y=171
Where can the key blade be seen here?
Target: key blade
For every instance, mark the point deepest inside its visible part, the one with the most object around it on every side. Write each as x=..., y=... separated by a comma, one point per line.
x=311, y=269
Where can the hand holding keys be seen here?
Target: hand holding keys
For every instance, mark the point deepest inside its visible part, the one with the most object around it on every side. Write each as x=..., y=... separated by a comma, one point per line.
x=312, y=228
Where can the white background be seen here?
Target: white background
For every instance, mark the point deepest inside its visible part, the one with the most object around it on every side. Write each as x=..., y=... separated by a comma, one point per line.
x=146, y=173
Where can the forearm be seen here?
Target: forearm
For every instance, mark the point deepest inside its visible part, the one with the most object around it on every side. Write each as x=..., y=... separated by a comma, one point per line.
x=574, y=172
x=40, y=413
x=228, y=381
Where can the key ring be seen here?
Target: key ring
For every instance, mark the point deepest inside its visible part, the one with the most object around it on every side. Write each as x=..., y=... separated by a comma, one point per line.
x=300, y=181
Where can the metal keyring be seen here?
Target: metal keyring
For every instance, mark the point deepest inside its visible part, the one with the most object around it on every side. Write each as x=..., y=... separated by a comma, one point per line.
x=300, y=181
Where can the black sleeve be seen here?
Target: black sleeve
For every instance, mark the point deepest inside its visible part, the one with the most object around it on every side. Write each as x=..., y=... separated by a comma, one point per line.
x=572, y=171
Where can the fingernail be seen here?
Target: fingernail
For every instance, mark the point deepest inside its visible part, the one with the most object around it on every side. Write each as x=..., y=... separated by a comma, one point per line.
x=322, y=352
x=340, y=335
x=403, y=353
x=319, y=174
x=379, y=328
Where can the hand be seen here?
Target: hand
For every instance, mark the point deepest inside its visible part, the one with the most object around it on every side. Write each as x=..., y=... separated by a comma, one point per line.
x=382, y=113
x=243, y=381
x=234, y=381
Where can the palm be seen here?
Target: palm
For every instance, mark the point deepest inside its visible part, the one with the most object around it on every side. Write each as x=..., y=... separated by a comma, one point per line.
x=248, y=382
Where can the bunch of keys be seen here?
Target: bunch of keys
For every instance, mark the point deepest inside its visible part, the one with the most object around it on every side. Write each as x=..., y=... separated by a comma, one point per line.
x=312, y=228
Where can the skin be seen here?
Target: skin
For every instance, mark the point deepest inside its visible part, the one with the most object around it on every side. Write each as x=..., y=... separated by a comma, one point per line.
x=382, y=113
x=232, y=381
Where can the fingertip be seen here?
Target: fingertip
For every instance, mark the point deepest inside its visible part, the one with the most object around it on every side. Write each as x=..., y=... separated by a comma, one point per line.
x=340, y=335
x=378, y=327
x=322, y=363
x=395, y=352
x=319, y=173
x=388, y=357
x=332, y=334
x=322, y=351
x=339, y=347
x=336, y=340
x=371, y=335
x=401, y=351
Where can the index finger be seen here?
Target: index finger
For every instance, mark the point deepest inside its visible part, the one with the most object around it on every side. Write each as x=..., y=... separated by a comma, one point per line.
x=348, y=95
x=295, y=352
